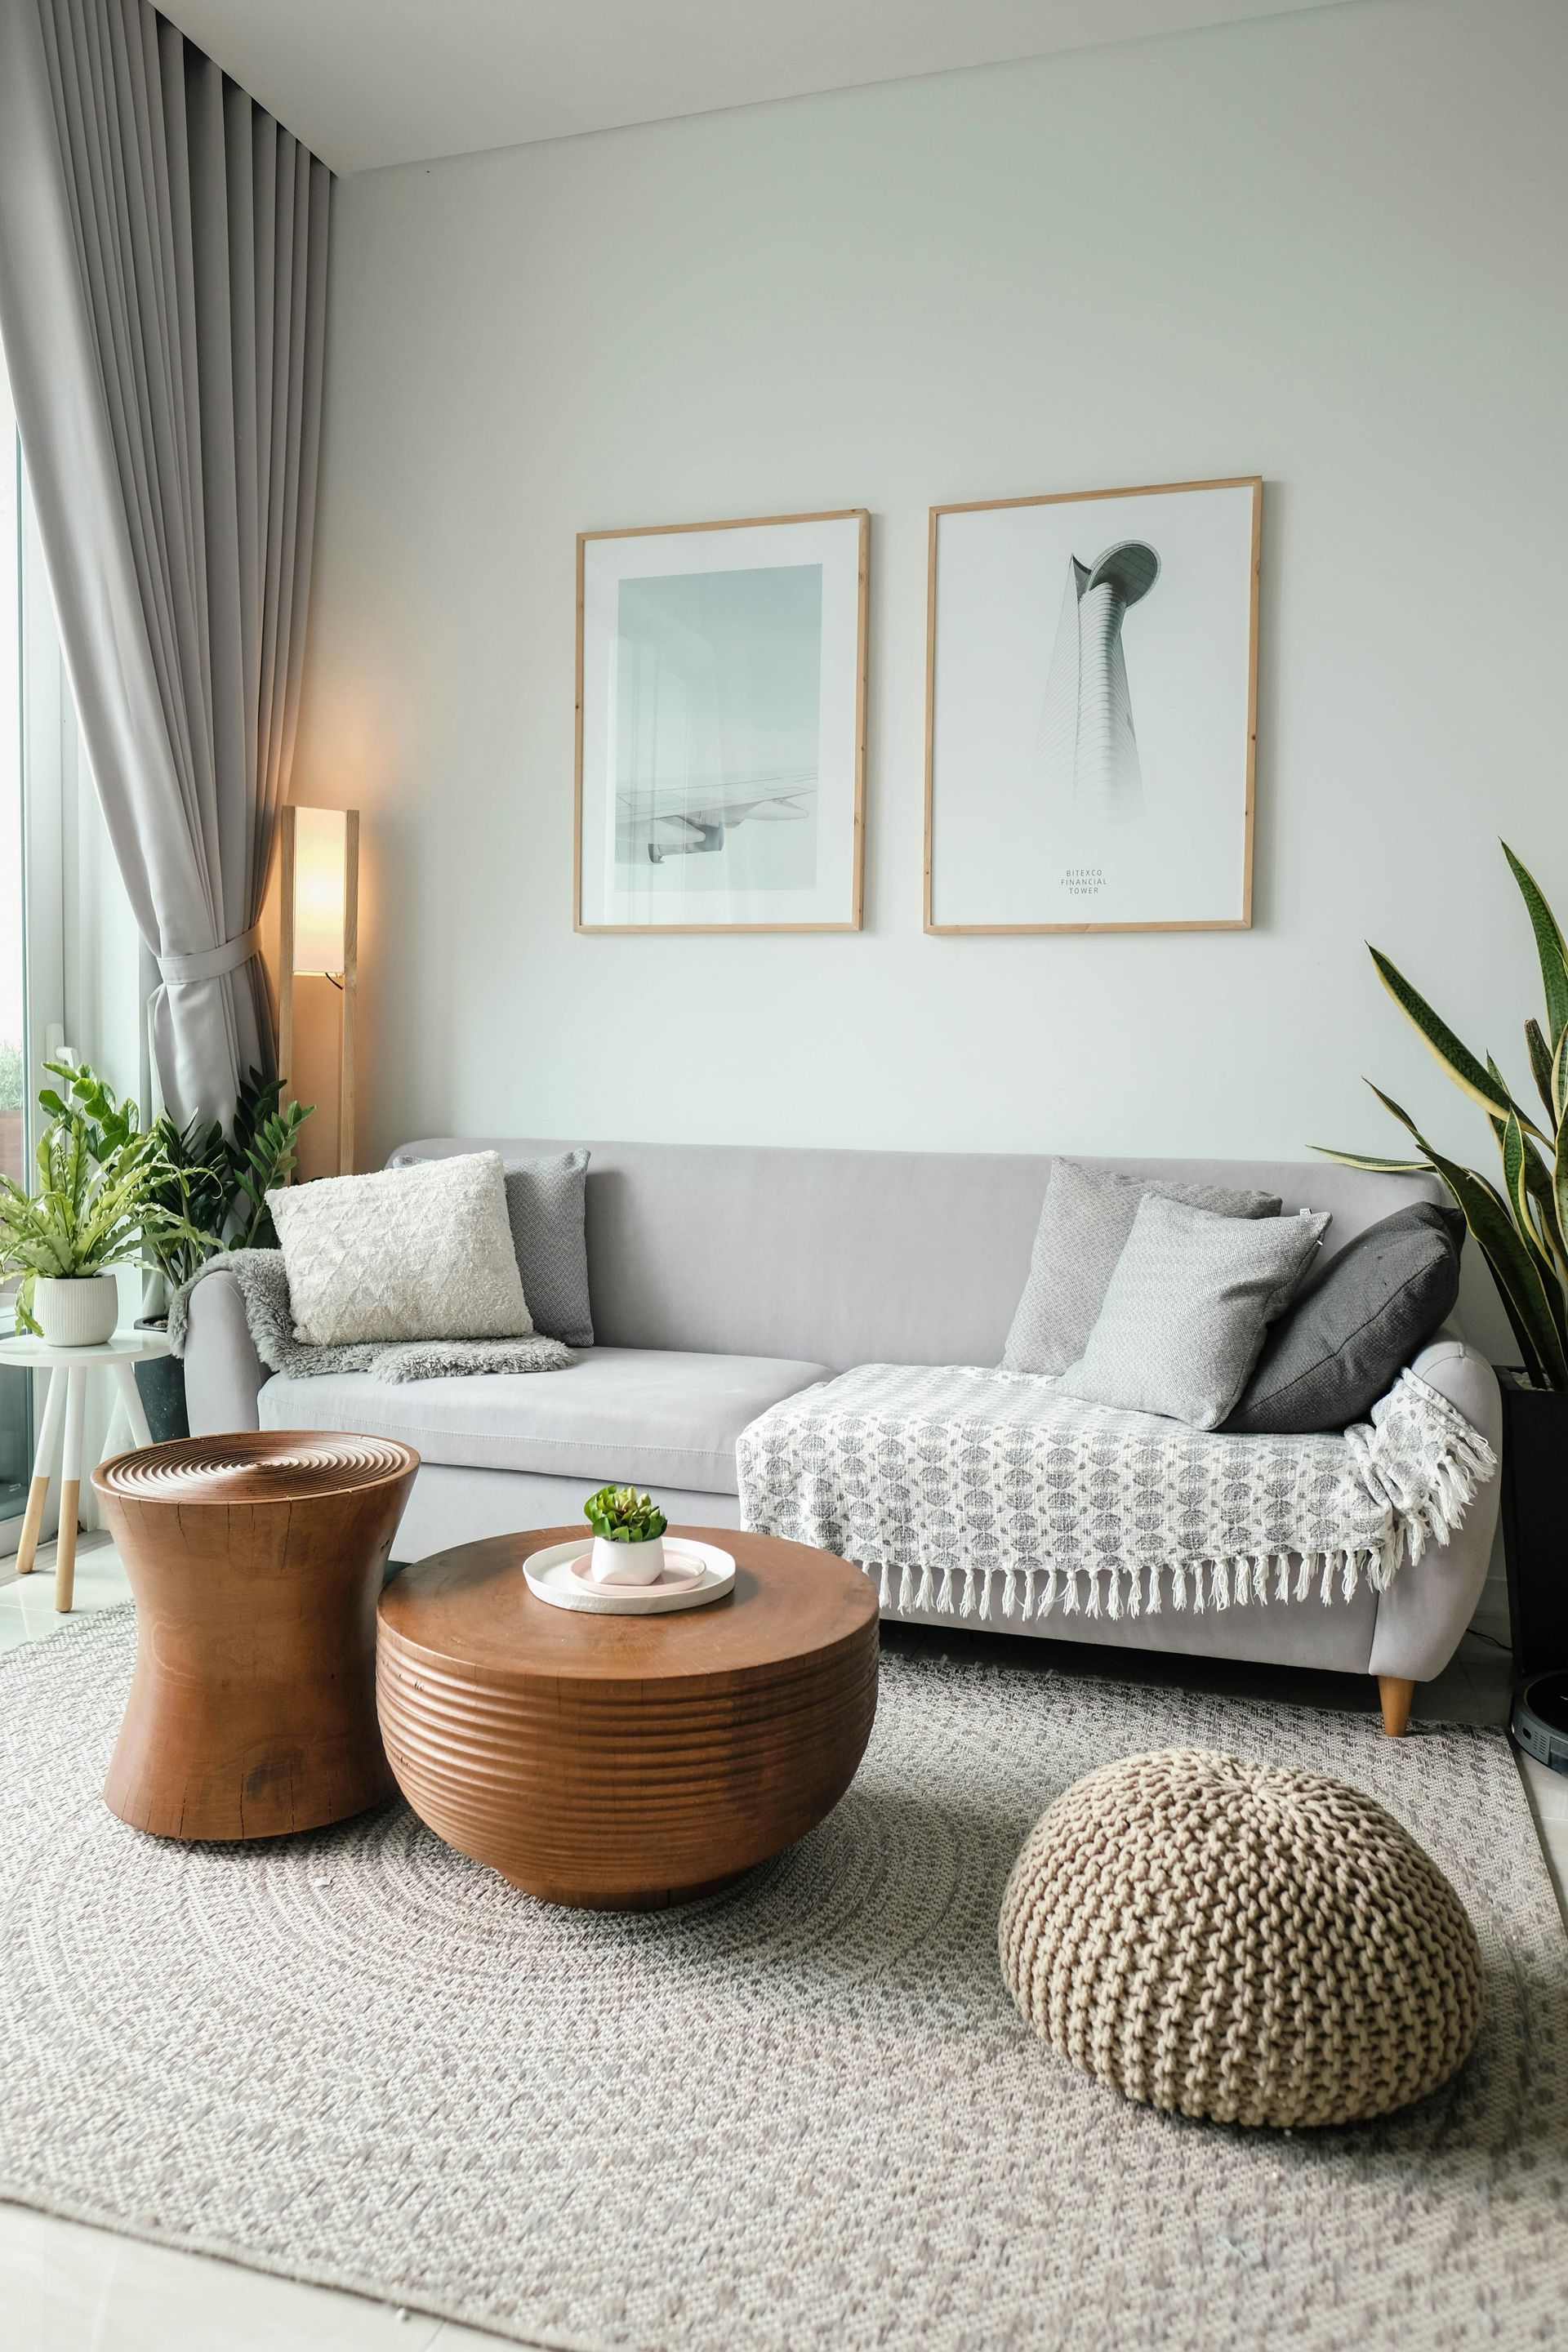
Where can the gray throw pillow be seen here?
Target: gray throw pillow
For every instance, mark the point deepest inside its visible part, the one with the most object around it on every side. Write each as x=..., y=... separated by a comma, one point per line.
x=1084, y=1224
x=1345, y=1341
x=545, y=1205
x=1186, y=1309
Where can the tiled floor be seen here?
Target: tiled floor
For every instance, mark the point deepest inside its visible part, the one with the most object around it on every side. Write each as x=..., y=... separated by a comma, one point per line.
x=67, y=2288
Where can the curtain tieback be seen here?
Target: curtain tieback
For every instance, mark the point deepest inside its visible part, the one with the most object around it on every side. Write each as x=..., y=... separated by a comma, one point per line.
x=211, y=963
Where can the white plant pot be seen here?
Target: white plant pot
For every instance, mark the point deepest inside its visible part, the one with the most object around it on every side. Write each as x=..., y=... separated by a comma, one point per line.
x=627, y=1563
x=76, y=1310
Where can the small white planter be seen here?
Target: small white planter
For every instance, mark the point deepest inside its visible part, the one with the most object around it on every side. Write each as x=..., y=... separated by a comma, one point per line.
x=627, y=1563
x=76, y=1310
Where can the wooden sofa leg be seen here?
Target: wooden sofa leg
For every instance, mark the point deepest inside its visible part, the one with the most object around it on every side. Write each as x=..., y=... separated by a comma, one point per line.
x=1396, y=1693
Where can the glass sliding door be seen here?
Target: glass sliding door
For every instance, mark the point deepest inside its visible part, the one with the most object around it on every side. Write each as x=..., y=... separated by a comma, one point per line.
x=73, y=973
x=73, y=978
x=16, y=1387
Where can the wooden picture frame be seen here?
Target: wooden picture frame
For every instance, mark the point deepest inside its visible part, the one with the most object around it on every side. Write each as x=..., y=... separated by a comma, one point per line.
x=846, y=823
x=1243, y=667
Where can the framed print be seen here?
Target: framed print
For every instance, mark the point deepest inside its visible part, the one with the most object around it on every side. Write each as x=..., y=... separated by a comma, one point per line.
x=722, y=725
x=1091, y=694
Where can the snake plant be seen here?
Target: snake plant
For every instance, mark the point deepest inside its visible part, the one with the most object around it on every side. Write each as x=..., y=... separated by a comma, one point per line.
x=96, y=1203
x=1522, y=1224
x=621, y=1514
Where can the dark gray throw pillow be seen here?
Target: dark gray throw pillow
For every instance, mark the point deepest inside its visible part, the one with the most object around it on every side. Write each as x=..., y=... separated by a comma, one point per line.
x=1345, y=1341
x=545, y=1205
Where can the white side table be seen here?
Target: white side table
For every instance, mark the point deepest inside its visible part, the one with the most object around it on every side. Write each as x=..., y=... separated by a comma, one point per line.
x=68, y=1369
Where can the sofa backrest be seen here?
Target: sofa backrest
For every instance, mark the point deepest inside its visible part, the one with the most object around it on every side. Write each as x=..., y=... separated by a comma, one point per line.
x=853, y=1257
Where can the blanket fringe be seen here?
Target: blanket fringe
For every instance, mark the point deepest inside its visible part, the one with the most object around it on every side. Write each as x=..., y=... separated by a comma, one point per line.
x=990, y=1591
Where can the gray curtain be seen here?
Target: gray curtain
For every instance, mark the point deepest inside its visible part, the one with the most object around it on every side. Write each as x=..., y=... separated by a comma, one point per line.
x=162, y=299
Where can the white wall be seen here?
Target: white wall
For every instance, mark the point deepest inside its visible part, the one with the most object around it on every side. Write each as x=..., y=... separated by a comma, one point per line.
x=1327, y=247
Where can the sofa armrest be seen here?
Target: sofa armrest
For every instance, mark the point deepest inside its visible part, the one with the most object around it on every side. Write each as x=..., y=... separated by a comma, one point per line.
x=1422, y=1615
x=224, y=1374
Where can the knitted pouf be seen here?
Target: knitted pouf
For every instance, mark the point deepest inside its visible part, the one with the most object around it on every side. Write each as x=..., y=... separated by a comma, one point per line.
x=1234, y=1941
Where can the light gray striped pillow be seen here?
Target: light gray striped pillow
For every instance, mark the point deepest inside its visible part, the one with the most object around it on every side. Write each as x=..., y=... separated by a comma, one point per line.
x=1084, y=1223
x=1188, y=1308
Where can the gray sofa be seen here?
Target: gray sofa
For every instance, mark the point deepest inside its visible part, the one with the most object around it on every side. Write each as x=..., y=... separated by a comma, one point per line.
x=725, y=1278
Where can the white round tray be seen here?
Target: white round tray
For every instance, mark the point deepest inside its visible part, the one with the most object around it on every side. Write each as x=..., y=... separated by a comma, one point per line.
x=549, y=1577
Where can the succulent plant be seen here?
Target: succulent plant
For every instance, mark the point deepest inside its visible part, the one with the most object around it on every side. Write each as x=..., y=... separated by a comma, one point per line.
x=621, y=1514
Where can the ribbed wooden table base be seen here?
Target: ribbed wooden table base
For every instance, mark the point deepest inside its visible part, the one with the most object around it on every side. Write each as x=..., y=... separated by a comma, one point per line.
x=255, y=1561
x=622, y=1763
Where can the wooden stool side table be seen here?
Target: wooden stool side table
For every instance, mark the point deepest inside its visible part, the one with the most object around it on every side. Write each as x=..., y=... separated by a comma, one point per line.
x=68, y=1369
x=256, y=1561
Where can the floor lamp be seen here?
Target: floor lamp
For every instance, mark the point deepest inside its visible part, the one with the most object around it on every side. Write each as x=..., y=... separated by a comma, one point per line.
x=319, y=936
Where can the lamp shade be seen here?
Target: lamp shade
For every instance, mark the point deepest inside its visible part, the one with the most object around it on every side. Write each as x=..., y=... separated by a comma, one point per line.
x=321, y=888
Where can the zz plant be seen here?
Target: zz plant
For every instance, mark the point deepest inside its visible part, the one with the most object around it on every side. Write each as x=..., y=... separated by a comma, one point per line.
x=621, y=1514
x=1522, y=1224
x=99, y=1201
x=218, y=1183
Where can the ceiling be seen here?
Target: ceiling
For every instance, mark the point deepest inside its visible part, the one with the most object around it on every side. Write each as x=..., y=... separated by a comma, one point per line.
x=366, y=82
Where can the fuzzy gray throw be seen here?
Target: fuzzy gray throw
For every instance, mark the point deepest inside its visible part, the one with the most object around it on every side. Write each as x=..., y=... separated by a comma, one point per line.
x=956, y=1486
x=264, y=1287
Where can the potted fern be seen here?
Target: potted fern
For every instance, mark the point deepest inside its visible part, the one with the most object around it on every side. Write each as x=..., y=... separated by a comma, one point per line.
x=1521, y=1227
x=628, y=1536
x=96, y=1206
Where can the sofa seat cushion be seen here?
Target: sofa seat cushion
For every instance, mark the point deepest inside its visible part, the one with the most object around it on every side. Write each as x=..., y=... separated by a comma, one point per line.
x=642, y=1416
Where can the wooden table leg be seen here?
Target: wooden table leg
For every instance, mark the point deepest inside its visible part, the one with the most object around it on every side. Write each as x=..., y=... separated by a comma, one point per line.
x=70, y=1487
x=38, y=1492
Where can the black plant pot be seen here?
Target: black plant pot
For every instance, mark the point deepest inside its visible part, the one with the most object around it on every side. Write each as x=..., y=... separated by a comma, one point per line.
x=1535, y=1523
x=162, y=1382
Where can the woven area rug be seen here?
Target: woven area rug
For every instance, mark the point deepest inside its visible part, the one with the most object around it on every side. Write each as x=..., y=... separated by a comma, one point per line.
x=800, y=2116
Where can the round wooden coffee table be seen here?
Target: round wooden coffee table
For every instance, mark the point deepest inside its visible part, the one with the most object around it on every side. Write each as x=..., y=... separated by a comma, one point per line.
x=256, y=1561
x=626, y=1763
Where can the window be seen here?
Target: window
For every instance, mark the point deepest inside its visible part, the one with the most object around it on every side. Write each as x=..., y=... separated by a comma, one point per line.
x=13, y=1009
x=74, y=977
x=16, y=1388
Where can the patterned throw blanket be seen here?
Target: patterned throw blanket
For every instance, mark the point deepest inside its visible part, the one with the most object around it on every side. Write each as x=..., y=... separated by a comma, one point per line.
x=956, y=1485
x=263, y=1288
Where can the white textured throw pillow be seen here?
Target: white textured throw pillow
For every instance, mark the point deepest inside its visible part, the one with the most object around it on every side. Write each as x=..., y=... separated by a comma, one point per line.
x=1188, y=1308
x=408, y=1254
